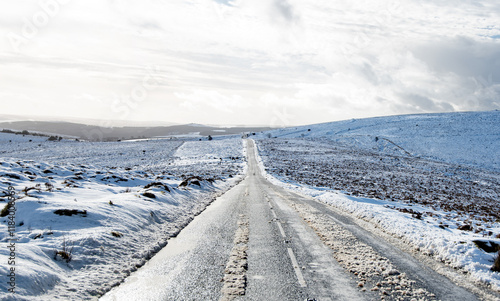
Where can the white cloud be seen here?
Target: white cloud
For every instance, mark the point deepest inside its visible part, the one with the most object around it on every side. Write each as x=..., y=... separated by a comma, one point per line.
x=252, y=61
x=201, y=100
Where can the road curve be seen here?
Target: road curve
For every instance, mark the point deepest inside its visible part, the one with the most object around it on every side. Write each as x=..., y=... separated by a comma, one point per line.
x=253, y=243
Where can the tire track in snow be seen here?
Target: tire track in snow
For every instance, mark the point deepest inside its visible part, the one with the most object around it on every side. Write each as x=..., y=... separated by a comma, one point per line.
x=374, y=272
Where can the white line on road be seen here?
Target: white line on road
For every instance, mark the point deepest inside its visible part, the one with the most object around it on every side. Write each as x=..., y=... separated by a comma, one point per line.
x=295, y=264
x=296, y=268
x=278, y=223
x=281, y=229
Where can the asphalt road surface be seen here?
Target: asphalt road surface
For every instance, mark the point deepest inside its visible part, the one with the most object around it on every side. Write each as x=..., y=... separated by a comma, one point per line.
x=251, y=244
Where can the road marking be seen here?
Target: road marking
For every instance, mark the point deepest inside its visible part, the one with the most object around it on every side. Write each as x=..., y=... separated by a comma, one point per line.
x=295, y=264
x=279, y=224
x=296, y=268
x=281, y=229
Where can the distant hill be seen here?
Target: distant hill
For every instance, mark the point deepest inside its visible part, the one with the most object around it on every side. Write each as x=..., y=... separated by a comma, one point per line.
x=471, y=138
x=96, y=133
x=87, y=121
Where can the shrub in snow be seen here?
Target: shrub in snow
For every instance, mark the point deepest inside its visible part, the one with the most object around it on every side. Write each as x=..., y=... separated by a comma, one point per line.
x=496, y=265
x=66, y=253
x=116, y=234
x=68, y=212
x=487, y=246
x=49, y=187
x=190, y=181
x=149, y=195
x=12, y=176
x=157, y=184
x=465, y=227
x=28, y=189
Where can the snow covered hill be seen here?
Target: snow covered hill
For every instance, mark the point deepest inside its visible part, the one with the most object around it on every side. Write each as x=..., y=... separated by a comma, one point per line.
x=471, y=138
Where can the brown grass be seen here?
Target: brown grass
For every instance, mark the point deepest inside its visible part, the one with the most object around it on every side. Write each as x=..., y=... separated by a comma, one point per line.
x=66, y=253
x=496, y=265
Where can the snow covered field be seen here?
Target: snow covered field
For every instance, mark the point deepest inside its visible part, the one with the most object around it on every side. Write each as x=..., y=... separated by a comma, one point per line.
x=435, y=186
x=88, y=214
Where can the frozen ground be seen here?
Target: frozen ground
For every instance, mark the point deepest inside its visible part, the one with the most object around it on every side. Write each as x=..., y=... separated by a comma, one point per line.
x=438, y=193
x=110, y=206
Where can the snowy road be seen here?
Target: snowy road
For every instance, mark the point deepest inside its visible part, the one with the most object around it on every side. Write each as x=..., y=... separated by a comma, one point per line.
x=275, y=255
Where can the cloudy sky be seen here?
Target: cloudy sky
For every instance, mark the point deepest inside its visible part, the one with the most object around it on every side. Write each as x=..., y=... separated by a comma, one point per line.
x=253, y=62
